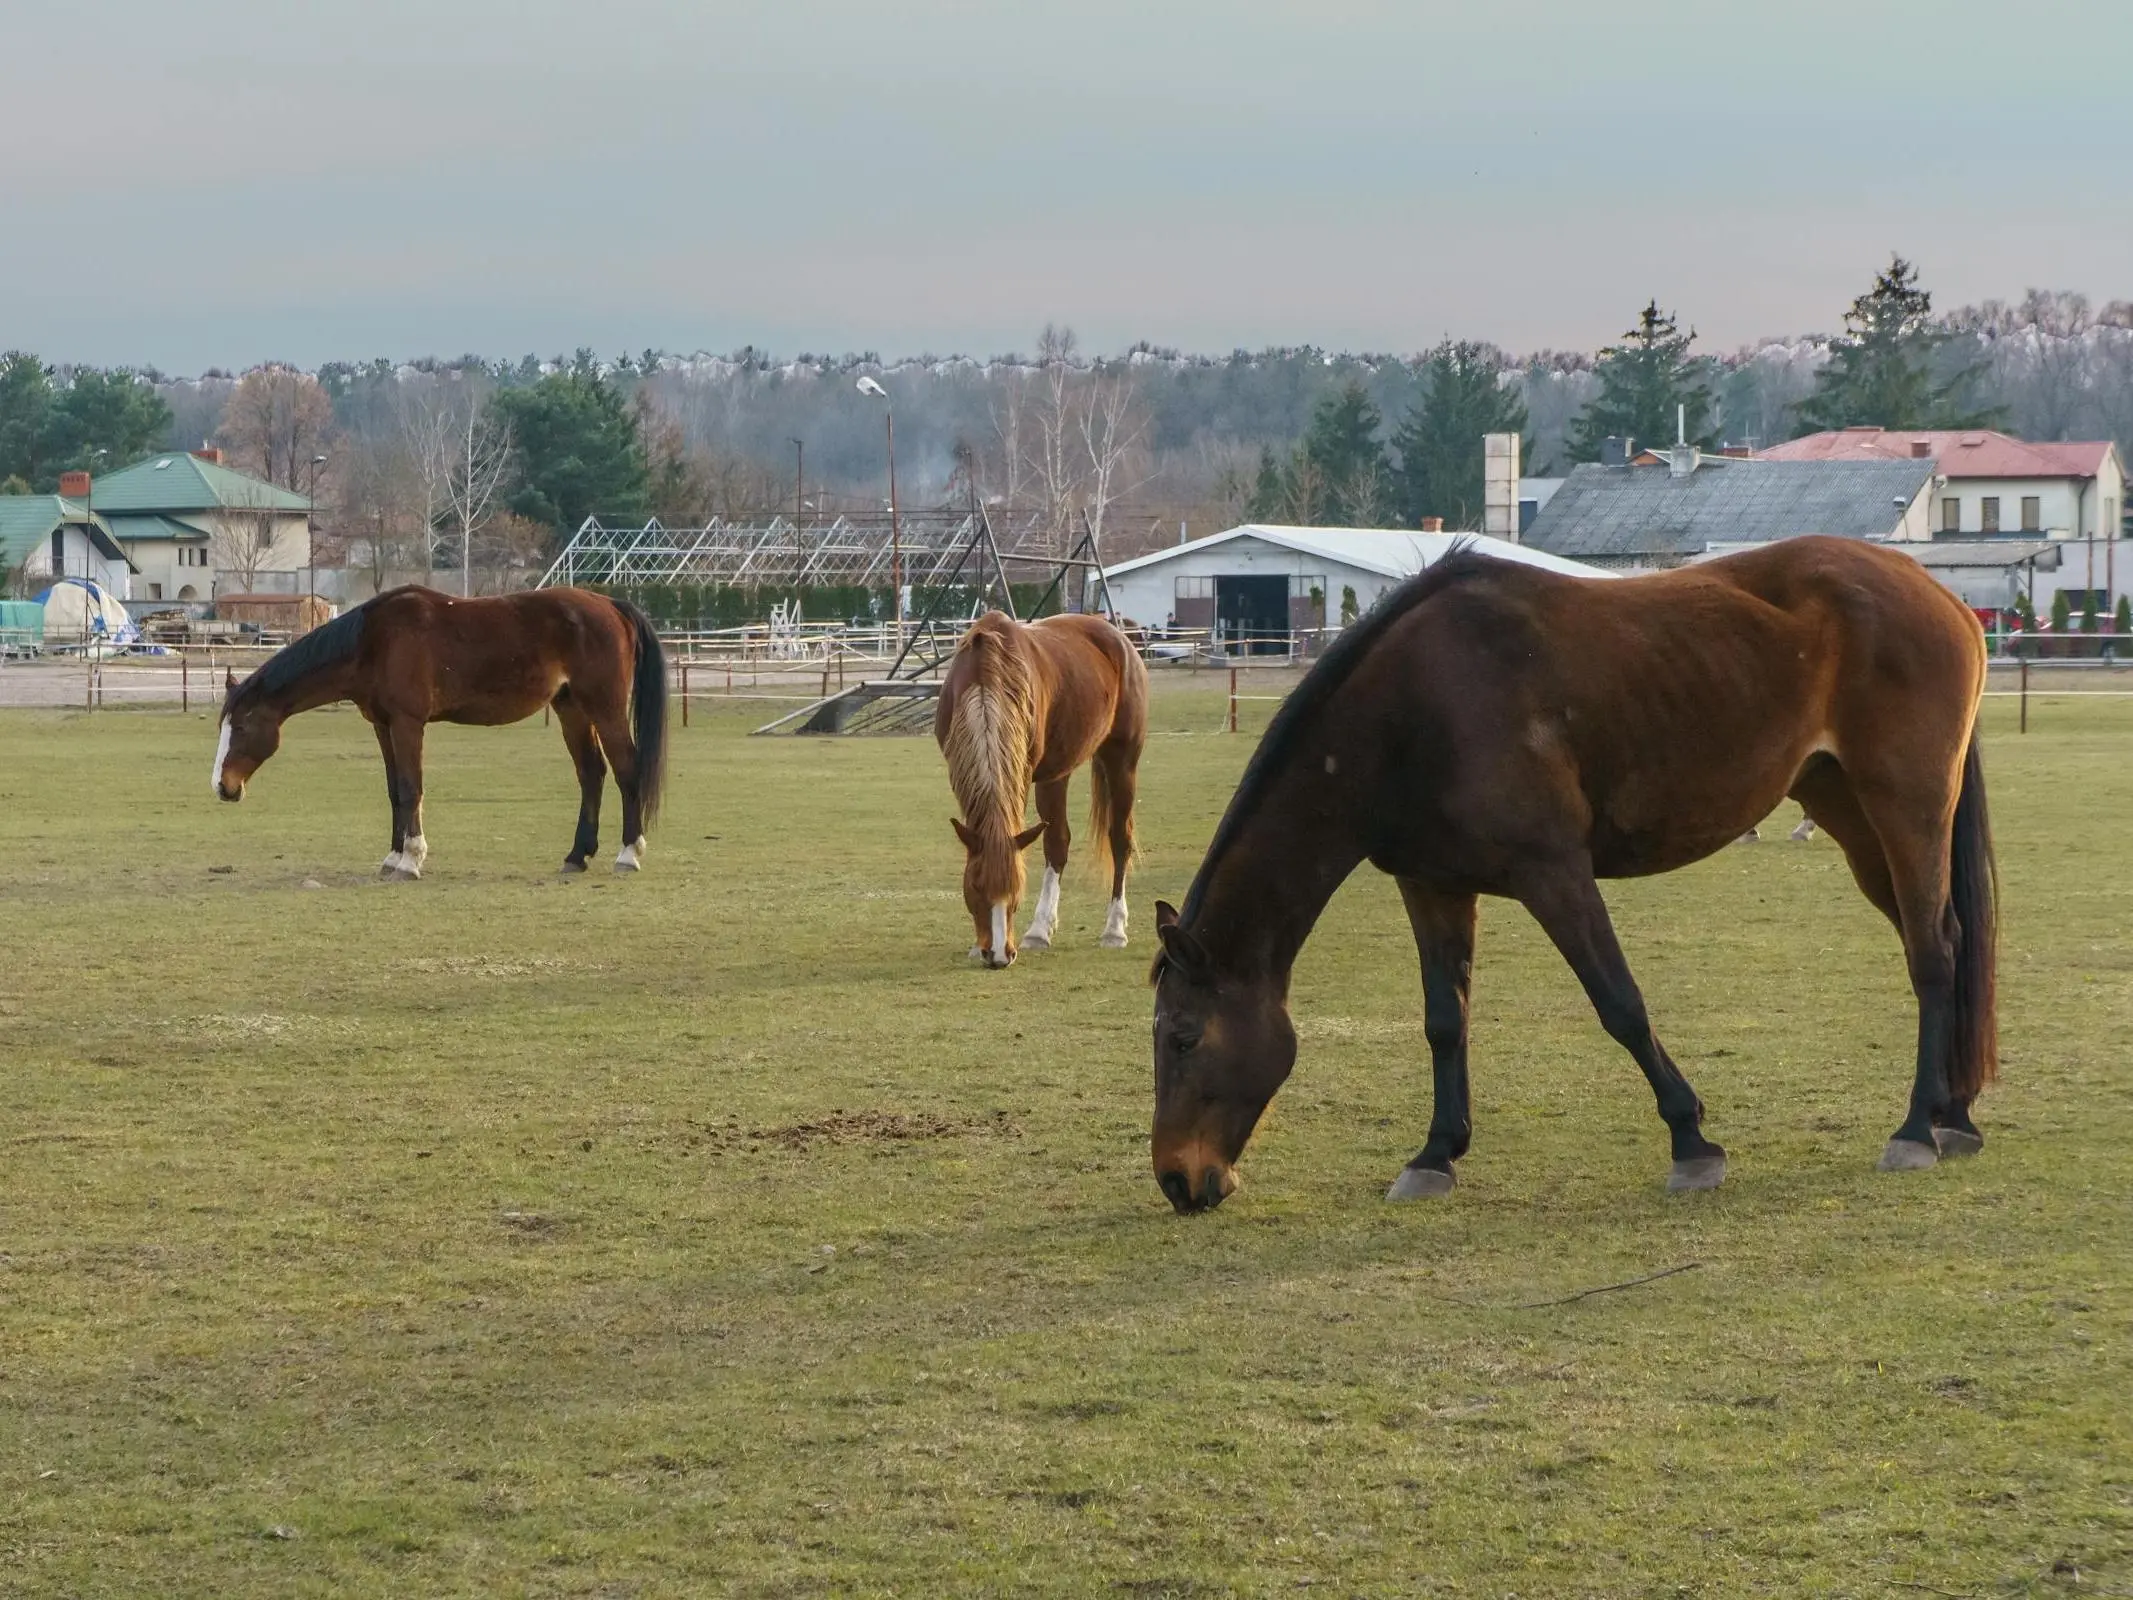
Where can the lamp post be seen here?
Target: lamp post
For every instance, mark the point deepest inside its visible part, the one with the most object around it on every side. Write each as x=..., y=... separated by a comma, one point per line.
x=874, y=391
x=310, y=546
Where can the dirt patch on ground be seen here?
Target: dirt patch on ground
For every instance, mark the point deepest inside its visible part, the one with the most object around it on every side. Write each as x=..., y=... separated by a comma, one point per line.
x=852, y=1128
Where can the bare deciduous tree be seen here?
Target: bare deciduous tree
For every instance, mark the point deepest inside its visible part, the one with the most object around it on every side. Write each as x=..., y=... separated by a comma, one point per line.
x=243, y=542
x=462, y=458
x=1113, y=428
x=275, y=421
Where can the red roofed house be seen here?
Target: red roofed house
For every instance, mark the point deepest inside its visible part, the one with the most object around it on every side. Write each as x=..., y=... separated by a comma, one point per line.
x=1988, y=485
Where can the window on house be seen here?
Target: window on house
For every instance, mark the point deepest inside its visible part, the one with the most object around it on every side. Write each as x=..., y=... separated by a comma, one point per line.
x=155, y=591
x=59, y=552
x=1196, y=588
x=1951, y=515
x=2032, y=513
x=1989, y=514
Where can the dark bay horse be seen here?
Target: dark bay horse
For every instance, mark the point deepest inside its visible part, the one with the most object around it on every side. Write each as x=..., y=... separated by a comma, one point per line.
x=413, y=656
x=1497, y=729
x=1028, y=703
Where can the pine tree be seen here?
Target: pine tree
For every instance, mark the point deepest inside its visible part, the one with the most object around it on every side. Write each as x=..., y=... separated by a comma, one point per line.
x=2062, y=612
x=1643, y=380
x=1884, y=371
x=578, y=449
x=1269, y=496
x=1342, y=447
x=1439, y=440
x=2122, y=618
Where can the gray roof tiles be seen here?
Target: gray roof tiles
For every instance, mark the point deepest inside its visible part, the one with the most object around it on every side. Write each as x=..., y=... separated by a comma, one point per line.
x=1616, y=512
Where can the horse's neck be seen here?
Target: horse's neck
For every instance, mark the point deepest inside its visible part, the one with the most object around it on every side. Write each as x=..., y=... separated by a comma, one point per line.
x=321, y=686
x=1266, y=892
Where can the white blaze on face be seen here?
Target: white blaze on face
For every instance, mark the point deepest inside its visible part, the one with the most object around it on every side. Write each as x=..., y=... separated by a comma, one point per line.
x=999, y=932
x=222, y=755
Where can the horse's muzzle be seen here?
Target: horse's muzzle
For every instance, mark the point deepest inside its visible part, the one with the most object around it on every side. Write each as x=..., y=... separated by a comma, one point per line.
x=1216, y=1185
x=222, y=792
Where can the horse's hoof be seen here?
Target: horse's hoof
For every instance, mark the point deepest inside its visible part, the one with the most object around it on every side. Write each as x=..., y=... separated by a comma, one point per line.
x=1035, y=941
x=400, y=875
x=570, y=867
x=1908, y=1155
x=1956, y=1142
x=1113, y=941
x=628, y=866
x=1699, y=1172
x=1420, y=1183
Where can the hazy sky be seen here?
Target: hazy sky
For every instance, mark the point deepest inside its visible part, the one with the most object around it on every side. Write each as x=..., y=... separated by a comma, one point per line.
x=240, y=180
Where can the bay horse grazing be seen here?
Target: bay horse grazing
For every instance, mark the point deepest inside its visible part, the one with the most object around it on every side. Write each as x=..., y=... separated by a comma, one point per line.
x=412, y=656
x=1028, y=703
x=1496, y=729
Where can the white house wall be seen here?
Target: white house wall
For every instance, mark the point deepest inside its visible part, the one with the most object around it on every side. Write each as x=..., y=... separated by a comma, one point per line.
x=2069, y=508
x=83, y=560
x=1148, y=594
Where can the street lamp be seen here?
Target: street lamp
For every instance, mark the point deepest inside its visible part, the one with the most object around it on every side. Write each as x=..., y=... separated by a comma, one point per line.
x=874, y=391
x=311, y=545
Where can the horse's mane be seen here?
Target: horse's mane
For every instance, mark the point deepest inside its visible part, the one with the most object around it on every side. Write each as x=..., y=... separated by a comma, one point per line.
x=991, y=730
x=1460, y=563
x=324, y=646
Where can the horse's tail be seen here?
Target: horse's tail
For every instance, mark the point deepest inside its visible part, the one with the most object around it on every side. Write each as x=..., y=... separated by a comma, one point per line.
x=648, y=711
x=991, y=731
x=1974, y=892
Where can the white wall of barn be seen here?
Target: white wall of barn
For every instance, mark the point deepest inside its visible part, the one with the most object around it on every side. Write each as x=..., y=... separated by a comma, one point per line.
x=1148, y=596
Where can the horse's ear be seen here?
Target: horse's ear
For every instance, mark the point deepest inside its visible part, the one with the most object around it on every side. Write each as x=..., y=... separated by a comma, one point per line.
x=1166, y=915
x=1028, y=837
x=229, y=681
x=970, y=840
x=1186, y=953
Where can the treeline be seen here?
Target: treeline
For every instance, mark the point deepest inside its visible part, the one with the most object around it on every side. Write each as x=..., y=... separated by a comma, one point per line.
x=427, y=461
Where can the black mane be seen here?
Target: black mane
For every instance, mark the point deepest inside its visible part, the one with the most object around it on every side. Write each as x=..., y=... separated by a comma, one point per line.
x=324, y=646
x=1459, y=563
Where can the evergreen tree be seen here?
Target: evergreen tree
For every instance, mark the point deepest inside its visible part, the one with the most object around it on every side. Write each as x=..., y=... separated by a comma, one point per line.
x=1643, y=382
x=2062, y=612
x=1344, y=453
x=1269, y=498
x=25, y=415
x=2091, y=620
x=113, y=416
x=1884, y=372
x=578, y=448
x=2122, y=618
x=1440, y=472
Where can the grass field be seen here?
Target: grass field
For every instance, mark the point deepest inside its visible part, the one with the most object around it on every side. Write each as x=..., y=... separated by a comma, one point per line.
x=723, y=1231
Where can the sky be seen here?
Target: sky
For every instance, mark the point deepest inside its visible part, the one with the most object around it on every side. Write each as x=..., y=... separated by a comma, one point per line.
x=250, y=180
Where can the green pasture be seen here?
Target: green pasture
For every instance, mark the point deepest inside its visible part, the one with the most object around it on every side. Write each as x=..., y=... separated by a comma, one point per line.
x=722, y=1231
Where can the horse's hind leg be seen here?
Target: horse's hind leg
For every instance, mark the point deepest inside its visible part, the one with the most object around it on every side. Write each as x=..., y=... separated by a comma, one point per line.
x=1058, y=836
x=614, y=730
x=1444, y=935
x=1833, y=805
x=1116, y=771
x=585, y=756
x=1566, y=903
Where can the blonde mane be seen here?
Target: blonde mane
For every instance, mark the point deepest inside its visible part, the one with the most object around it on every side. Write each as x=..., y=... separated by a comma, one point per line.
x=990, y=742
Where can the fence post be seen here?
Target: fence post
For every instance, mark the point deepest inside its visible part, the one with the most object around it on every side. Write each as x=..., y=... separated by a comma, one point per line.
x=685, y=692
x=185, y=682
x=2025, y=694
x=1232, y=699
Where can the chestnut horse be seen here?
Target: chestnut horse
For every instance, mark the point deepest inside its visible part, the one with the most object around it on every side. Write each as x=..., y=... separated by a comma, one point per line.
x=1028, y=703
x=1497, y=729
x=413, y=656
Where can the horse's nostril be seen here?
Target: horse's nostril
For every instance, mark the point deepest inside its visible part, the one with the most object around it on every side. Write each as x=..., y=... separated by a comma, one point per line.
x=1211, y=1194
x=1177, y=1190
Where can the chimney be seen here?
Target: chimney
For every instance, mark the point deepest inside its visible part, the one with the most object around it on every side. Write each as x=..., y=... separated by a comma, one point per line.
x=1499, y=486
x=1432, y=524
x=1921, y=449
x=210, y=454
x=75, y=486
x=1736, y=452
x=1615, y=450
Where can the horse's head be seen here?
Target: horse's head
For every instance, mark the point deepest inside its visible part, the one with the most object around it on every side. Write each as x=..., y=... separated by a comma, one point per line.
x=1222, y=1047
x=250, y=733
x=992, y=884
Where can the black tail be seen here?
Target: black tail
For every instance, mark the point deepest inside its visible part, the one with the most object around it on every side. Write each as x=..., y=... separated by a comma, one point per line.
x=648, y=712
x=1974, y=892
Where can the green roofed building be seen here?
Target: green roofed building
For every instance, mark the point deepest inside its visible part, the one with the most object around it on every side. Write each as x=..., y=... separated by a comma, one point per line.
x=48, y=536
x=194, y=527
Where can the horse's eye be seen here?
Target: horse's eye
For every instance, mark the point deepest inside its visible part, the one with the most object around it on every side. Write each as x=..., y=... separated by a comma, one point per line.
x=1184, y=1038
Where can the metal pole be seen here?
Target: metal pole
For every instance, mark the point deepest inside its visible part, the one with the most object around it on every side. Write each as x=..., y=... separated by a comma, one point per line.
x=2025, y=694
x=799, y=482
x=185, y=682
x=685, y=694
x=896, y=535
x=1232, y=699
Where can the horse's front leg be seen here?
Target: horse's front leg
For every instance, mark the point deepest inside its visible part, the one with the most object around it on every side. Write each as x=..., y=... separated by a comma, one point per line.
x=1052, y=811
x=1566, y=902
x=406, y=737
x=1444, y=936
x=392, y=800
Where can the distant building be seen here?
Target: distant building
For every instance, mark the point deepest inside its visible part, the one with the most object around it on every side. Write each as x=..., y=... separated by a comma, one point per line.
x=44, y=537
x=1670, y=507
x=1259, y=588
x=1991, y=485
x=192, y=525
